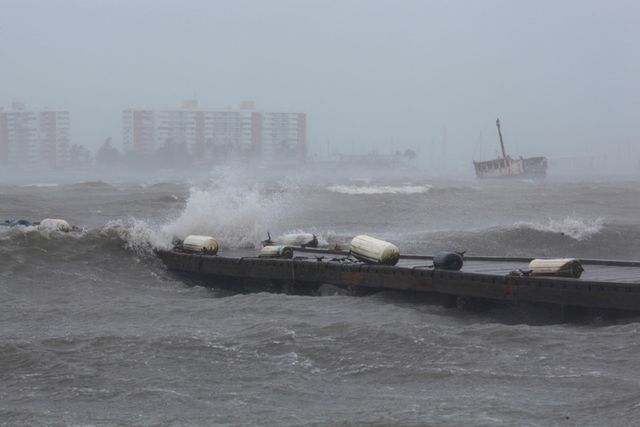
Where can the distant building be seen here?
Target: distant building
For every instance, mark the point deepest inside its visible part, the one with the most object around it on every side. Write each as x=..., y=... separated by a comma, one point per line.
x=138, y=131
x=240, y=131
x=284, y=135
x=19, y=137
x=53, y=130
x=29, y=137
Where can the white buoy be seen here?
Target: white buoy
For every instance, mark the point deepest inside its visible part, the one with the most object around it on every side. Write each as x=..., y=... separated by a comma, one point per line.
x=53, y=224
x=370, y=249
x=298, y=239
x=200, y=244
x=566, y=267
x=276, y=251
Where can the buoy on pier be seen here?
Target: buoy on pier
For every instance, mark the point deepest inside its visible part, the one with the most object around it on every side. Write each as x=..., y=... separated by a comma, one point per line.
x=563, y=267
x=276, y=251
x=375, y=251
x=200, y=244
x=448, y=260
x=303, y=240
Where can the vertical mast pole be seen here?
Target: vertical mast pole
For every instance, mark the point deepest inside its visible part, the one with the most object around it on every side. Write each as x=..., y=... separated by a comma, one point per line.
x=504, y=155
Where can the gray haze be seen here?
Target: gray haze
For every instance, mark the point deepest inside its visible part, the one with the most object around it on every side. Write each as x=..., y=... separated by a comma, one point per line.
x=383, y=75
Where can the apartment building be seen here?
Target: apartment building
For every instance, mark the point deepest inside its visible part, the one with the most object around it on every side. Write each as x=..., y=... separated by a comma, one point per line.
x=29, y=138
x=53, y=134
x=138, y=131
x=284, y=135
x=240, y=132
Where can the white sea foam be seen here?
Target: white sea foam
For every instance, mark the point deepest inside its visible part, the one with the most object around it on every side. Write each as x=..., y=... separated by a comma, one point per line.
x=324, y=237
x=379, y=189
x=138, y=234
x=574, y=227
x=235, y=215
x=42, y=184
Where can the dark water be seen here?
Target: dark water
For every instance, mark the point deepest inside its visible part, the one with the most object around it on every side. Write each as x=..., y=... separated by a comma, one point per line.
x=94, y=331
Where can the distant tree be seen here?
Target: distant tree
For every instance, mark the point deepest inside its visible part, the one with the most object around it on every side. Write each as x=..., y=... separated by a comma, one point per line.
x=172, y=154
x=409, y=154
x=108, y=154
x=79, y=156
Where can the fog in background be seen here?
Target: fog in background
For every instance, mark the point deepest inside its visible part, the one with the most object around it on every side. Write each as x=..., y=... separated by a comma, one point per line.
x=381, y=76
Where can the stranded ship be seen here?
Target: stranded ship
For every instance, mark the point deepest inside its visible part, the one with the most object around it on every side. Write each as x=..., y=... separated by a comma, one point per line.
x=506, y=167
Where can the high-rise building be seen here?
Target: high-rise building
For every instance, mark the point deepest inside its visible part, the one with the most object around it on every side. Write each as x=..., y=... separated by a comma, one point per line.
x=237, y=131
x=53, y=131
x=138, y=131
x=29, y=138
x=4, y=138
x=284, y=136
x=20, y=137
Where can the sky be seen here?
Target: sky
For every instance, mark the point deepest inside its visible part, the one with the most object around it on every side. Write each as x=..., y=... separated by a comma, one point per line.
x=563, y=76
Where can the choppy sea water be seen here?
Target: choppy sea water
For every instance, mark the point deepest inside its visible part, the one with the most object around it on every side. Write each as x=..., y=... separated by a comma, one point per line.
x=95, y=331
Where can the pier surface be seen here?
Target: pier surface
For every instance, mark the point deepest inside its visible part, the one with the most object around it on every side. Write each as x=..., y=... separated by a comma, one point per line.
x=604, y=284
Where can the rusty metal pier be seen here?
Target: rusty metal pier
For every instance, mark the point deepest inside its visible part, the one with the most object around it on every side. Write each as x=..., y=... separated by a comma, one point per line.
x=605, y=284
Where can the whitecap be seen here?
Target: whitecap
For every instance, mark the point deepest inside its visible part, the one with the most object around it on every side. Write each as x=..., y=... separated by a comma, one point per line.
x=378, y=189
x=236, y=215
x=575, y=227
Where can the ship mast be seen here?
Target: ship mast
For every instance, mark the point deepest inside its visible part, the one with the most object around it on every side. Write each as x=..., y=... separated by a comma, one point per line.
x=504, y=155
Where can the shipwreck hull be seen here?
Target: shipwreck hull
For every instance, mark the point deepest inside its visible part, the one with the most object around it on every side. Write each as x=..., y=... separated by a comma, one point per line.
x=533, y=167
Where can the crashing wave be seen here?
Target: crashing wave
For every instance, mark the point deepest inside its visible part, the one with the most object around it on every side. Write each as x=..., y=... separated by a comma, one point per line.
x=41, y=184
x=379, y=189
x=237, y=216
x=575, y=227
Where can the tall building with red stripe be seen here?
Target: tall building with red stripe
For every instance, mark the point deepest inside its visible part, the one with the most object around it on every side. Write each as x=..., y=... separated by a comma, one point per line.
x=242, y=130
x=29, y=137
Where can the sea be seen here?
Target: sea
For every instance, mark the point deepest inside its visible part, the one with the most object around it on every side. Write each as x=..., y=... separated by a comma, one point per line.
x=94, y=331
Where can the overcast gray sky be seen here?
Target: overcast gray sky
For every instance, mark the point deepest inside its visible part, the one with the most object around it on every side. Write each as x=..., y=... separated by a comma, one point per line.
x=562, y=75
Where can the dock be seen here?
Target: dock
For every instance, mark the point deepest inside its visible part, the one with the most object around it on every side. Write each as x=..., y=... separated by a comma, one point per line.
x=605, y=284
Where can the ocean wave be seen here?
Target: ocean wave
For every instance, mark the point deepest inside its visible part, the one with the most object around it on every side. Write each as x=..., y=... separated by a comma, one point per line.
x=569, y=237
x=41, y=184
x=134, y=234
x=91, y=185
x=29, y=246
x=236, y=215
x=22, y=232
x=575, y=227
x=378, y=189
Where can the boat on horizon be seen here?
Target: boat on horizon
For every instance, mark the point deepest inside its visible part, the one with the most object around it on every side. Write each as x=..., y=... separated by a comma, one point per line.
x=507, y=167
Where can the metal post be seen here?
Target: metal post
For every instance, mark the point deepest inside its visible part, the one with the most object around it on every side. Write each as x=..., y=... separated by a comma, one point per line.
x=504, y=155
